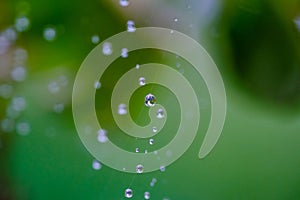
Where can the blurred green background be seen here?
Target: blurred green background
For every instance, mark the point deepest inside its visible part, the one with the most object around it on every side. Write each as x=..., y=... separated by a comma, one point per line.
x=256, y=46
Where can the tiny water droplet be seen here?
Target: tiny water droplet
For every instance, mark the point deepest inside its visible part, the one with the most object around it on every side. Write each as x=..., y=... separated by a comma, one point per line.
x=122, y=110
x=18, y=74
x=154, y=129
x=97, y=84
x=96, y=165
x=139, y=168
x=150, y=100
x=107, y=48
x=58, y=107
x=147, y=195
x=175, y=19
x=49, y=34
x=137, y=66
x=160, y=113
x=124, y=3
x=102, y=137
x=162, y=168
x=151, y=141
x=124, y=53
x=142, y=81
x=95, y=39
x=23, y=128
x=137, y=150
x=128, y=193
x=131, y=26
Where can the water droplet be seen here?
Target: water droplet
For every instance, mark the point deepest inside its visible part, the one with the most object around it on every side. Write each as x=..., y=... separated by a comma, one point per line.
x=58, y=107
x=128, y=193
x=18, y=74
x=7, y=125
x=150, y=100
x=154, y=129
x=124, y=53
x=10, y=34
x=137, y=66
x=153, y=181
x=162, y=168
x=142, y=81
x=95, y=39
x=23, y=128
x=124, y=3
x=175, y=19
x=147, y=195
x=151, y=141
x=107, y=48
x=131, y=26
x=139, y=168
x=19, y=103
x=137, y=150
x=6, y=91
x=122, y=110
x=53, y=87
x=97, y=84
x=160, y=113
x=102, y=137
x=49, y=34
x=22, y=23
x=96, y=165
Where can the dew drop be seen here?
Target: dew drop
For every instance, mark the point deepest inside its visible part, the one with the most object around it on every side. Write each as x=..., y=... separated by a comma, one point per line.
x=151, y=141
x=122, y=110
x=124, y=53
x=107, y=48
x=137, y=66
x=175, y=19
x=96, y=165
x=23, y=128
x=18, y=74
x=97, y=84
x=162, y=168
x=147, y=195
x=124, y=3
x=154, y=129
x=131, y=26
x=150, y=100
x=160, y=113
x=137, y=150
x=142, y=81
x=49, y=34
x=58, y=107
x=128, y=193
x=22, y=23
x=139, y=168
x=95, y=39
x=102, y=137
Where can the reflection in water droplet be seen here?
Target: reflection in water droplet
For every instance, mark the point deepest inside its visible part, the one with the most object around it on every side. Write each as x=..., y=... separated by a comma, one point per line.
x=128, y=193
x=142, y=81
x=102, y=138
x=150, y=100
x=124, y=53
x=139, y=168
x=107, y=48
x=124, y=3
x=96, y=165
x=160, y=114
x=131, y=26
x=122, y=110
x=147, y=195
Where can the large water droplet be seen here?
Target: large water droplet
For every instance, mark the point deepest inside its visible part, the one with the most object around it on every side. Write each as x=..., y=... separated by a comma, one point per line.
x=22, y=23
x=128, y=193
x=139, y=168
x=150, y=100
